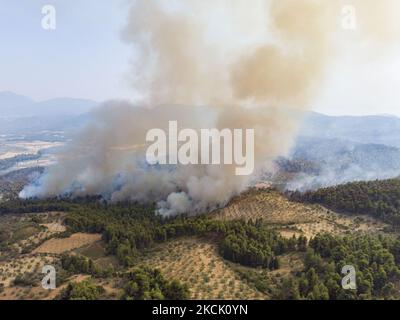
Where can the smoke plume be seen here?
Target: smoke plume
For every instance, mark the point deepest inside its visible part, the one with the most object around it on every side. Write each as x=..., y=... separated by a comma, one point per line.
x=206, y=64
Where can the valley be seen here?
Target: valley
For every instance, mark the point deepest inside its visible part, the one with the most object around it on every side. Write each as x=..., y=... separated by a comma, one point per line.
x=285, y=238
x=31, y=240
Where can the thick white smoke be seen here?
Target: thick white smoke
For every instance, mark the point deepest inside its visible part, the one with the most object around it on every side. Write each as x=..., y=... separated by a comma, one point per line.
x=206, y=64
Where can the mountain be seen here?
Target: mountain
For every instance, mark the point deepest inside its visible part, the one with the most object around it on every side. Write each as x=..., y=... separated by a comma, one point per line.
x=333, y=150
x=320, y=162
x=380, y=129
x=22, y=115
x=13, y=105
x=342, y=154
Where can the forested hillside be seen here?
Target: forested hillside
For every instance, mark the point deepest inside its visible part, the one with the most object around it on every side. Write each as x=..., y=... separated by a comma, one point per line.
x=380, y=198
x=374, y=259
x=130, y=230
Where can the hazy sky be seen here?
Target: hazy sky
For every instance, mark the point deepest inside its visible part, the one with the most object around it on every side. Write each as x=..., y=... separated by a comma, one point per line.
x=85, y=58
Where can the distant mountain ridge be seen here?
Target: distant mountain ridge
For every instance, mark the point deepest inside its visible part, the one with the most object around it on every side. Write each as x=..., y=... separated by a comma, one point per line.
x=13, y=105
x=342, y=155
x=378, y=129
x=22, y=115
x=318, y=162
x=332, y=150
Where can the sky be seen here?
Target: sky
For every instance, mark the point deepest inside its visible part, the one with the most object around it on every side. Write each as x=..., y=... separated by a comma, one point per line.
x=362, y=84
x=84, y=57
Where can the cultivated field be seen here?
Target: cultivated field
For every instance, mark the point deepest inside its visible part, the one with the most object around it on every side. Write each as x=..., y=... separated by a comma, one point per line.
x=34, y=240
x=197, y=263
x=294, y=218
x=58, y=246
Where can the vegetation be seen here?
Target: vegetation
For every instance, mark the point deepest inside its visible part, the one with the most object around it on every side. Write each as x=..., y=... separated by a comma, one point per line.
x=374, y=259
x=380, y=199
x=129, y=229
x=78, y=264
x=298, y=166
x=85, y=290
x=254, y=245
x=13, y=230
x=149, y=284
x=26, y=280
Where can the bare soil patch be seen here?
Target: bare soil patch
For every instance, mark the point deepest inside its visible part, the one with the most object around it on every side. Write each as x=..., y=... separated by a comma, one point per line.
x=58, y=246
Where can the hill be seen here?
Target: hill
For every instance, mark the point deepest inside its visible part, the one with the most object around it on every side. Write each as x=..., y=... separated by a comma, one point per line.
x=13, y=105
x=379, y=129
x=318, y=162
x=379, y=199
x=24, y=116
x=261, y=246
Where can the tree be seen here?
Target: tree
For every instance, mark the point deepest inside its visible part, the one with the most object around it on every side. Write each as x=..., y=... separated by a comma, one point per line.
x=148, y=284
x=85, y=290
x=320, y=292
x=290, y=289
x=177, y=291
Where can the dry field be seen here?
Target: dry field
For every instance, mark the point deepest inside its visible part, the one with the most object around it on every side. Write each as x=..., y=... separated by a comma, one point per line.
x=197, y=263
x=37, y=292
x=28, y=264
x=51, y=226
x=58, y=246
x=28, y=231
x=25, y=233
x=294, y=218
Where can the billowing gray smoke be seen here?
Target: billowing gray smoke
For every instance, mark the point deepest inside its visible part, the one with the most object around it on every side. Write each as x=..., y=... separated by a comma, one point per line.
x=253, y=66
